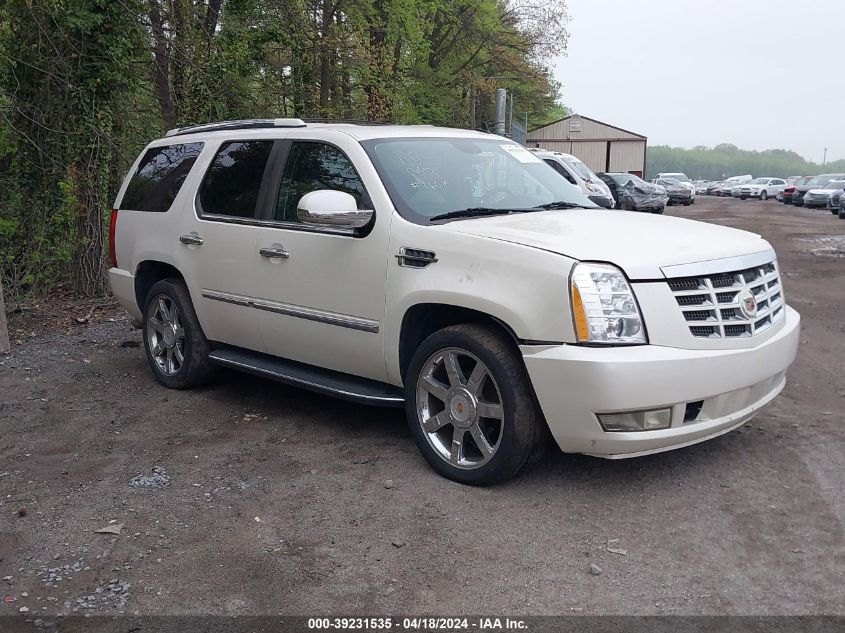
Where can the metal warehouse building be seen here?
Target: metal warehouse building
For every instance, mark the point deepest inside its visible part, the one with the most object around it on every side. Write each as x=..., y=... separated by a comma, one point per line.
x=602, y=146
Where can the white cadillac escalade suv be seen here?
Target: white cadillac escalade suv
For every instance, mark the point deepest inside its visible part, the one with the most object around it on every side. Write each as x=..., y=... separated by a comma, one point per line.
x=450, y=272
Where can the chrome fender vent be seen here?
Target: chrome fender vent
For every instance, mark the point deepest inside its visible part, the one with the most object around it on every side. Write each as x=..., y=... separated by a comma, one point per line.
x=415, y=257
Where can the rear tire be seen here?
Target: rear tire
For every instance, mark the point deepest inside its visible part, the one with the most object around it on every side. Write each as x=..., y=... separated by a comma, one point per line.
x=456, y=376
x=659, y=210
x=176, y=347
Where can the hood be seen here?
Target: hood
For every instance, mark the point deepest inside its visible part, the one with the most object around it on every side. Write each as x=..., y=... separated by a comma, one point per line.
x=639, y=243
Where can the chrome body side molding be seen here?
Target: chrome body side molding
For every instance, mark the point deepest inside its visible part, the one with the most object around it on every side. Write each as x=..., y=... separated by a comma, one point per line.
x=300, y=312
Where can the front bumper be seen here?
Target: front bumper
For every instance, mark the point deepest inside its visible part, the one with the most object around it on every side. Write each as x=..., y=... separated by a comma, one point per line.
x=573, y=383
x=813, y=201
x=602, y=201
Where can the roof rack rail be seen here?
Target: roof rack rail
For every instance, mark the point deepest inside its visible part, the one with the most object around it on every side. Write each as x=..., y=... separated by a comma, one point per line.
x=236, y=125
x=353, y=121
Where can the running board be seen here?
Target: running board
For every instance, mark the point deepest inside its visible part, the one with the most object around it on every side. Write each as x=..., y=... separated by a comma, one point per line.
x=326, y=381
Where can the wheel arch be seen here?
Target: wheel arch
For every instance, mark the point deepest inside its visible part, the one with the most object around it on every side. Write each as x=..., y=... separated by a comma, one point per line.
x=148, y=273
x=421, y=320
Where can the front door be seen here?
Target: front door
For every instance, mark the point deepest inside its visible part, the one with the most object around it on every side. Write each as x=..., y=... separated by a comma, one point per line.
x=321, y=292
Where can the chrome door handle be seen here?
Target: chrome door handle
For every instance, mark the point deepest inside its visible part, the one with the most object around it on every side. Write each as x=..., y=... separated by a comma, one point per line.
x=274, y=251
x=191, y=238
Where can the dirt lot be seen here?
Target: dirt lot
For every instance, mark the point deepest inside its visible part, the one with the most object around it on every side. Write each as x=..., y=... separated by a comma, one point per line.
x=277, y=500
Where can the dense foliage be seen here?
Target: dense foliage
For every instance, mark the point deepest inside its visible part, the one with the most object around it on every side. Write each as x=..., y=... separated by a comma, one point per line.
x=84, y=84
x=727, y=160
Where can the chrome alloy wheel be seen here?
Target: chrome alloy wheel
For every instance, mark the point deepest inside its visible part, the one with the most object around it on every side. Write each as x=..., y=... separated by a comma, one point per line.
x=459, y=407
x=165, y=335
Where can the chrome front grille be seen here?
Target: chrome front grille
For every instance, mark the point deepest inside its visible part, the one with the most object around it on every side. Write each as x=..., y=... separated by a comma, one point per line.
x=720, y=306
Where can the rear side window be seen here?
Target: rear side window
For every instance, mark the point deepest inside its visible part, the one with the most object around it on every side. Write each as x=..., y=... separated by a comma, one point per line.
x=232, y=183
x=159, y=177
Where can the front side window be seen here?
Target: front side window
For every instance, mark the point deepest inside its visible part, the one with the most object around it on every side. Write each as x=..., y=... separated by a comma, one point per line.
x=232, y=183
x=312, y=166
x=430, y=176
x=159, y=177
x=561, y=170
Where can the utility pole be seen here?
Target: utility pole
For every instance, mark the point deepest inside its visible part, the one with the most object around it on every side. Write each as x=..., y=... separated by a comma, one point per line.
x=824, y=160
x=501, y=105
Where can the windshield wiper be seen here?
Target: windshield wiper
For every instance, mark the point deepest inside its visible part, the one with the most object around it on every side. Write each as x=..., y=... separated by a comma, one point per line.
x=561, y=204
x=477, y=212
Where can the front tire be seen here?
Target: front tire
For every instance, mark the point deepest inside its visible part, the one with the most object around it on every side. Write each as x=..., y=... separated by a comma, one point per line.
x=764, y=196
x=470, y=405
x=176, y=347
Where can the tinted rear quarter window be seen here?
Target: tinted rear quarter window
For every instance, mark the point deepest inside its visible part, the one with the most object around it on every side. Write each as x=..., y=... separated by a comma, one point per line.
x=234, y=178
x=159, y=177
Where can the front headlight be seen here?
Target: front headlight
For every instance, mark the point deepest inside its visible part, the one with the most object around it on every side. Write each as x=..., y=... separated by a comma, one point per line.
x=592, y=187
x=604, y=308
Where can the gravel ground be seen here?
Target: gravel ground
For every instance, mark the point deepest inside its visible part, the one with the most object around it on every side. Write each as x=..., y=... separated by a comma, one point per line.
x=247, y=497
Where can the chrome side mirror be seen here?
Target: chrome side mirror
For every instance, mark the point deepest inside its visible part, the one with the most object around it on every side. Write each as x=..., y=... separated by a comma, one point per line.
x=332, y=208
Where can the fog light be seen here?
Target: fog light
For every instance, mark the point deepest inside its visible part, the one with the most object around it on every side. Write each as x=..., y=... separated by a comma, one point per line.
x=636, y=420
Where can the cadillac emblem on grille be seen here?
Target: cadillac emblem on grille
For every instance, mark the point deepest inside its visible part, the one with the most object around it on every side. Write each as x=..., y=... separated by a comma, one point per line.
x=747, y=303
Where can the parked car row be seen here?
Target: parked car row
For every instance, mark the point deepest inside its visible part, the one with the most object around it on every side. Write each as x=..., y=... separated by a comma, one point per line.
x=816, y=192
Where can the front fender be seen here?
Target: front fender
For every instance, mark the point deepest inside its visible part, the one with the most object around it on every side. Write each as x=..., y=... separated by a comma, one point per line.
x=523, y=287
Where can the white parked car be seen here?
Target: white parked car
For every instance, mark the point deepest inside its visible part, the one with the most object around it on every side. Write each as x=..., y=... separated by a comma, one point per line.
x=762, y=188
x=454, y=274
x=680, y=177
x=577, y=173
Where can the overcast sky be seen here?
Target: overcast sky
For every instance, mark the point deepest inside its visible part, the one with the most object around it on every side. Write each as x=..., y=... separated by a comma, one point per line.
x=761, y=74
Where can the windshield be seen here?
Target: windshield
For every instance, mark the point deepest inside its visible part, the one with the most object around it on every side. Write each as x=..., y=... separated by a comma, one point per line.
x=821, y=181
x=583, y=171
x=679, y=177
x=835, y=184
x=759, y=181
x=431, y=176
x=623, y=178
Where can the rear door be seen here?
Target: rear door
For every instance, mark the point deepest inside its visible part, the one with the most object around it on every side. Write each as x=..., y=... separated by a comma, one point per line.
x=323, y=293
x=218, y=242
